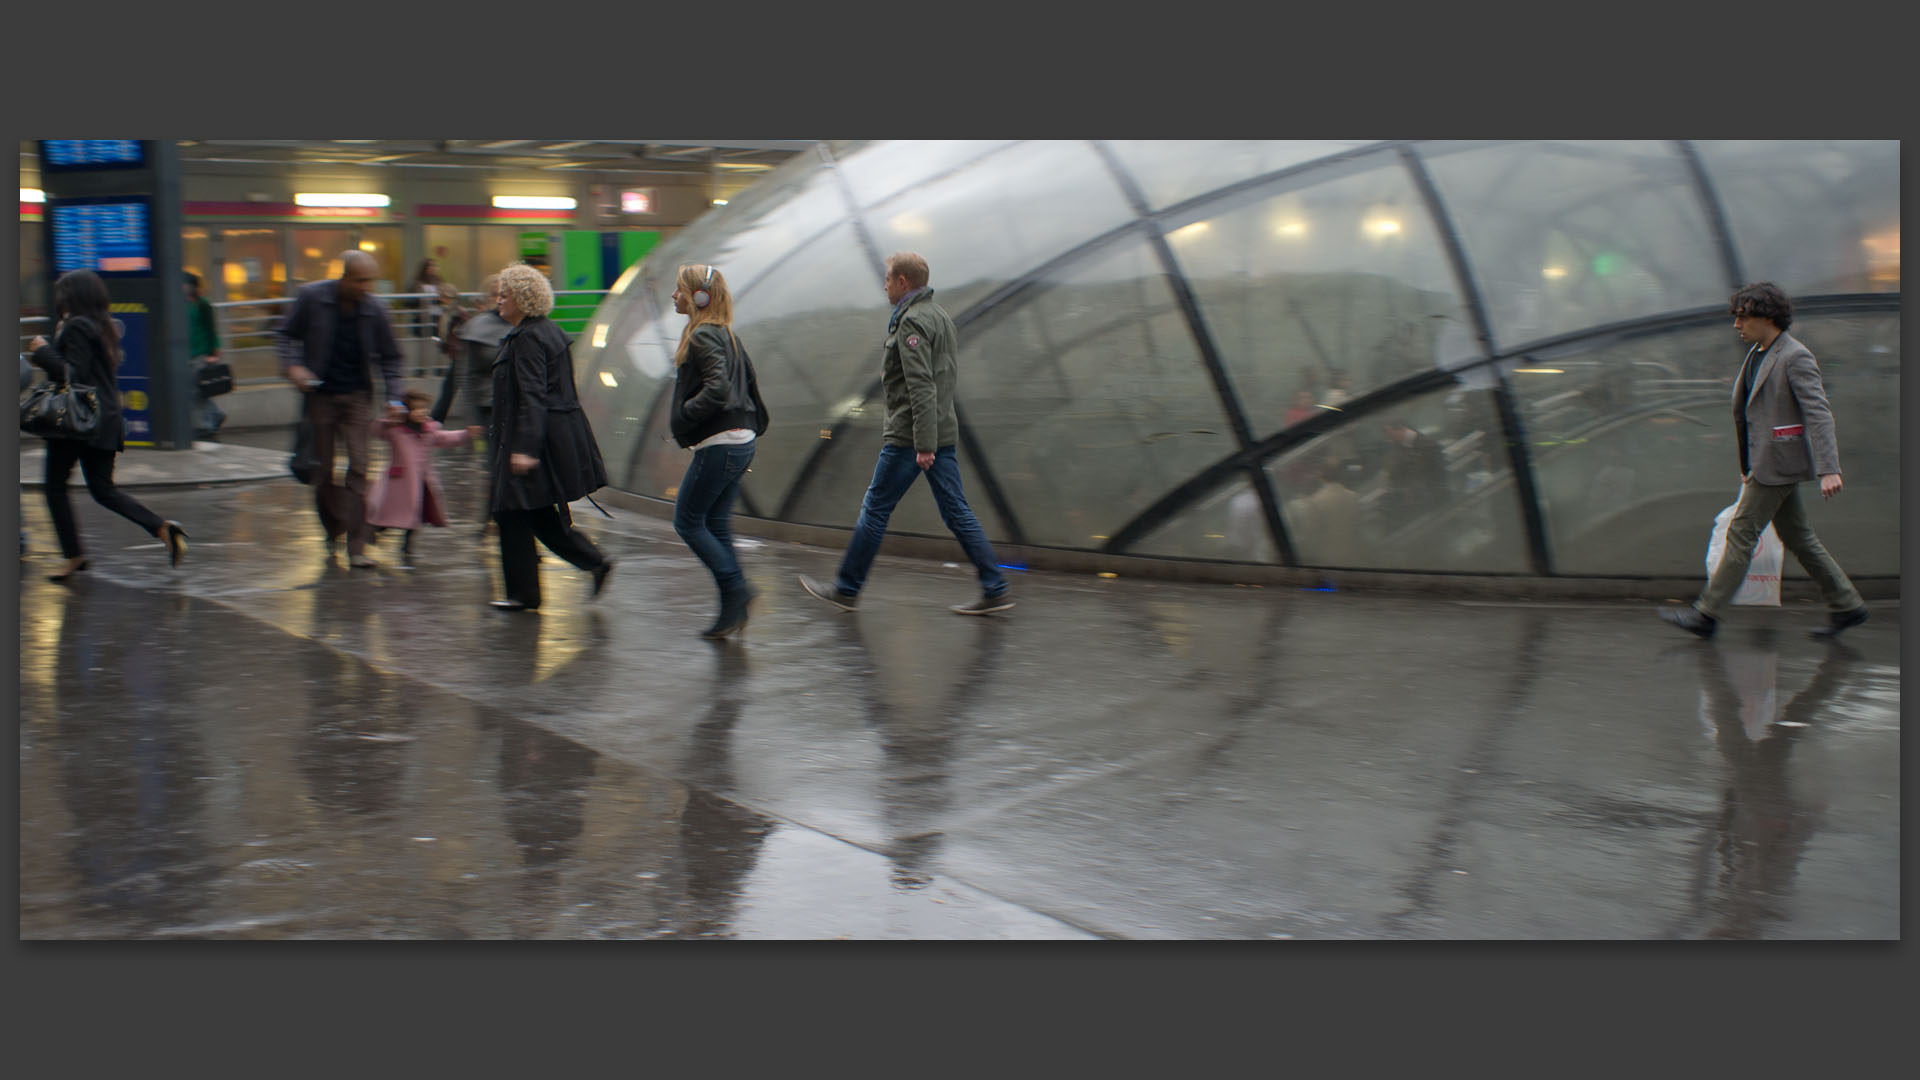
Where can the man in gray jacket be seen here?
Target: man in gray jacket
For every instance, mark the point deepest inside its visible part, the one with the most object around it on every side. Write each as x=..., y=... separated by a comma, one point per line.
x=917, y=374
x=1786, y=437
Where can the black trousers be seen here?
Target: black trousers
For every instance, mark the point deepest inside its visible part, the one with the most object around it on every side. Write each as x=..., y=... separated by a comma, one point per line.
x=97, y=466
x=520, y=563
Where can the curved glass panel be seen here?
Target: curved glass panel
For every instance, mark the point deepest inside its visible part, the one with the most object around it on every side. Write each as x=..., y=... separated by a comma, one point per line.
x=1444, y=502
x=1812, y=217
x=1169, y=171
x=1633, y=450
x=1227, y=525
x=1322, y=291
x=1089, y=398
x=815, y=331
x=1566, y=235
x=882, y=170
x=986, y=225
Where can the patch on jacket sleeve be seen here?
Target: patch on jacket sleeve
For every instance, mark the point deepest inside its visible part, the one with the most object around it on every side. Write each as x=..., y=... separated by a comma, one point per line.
x=913, y=340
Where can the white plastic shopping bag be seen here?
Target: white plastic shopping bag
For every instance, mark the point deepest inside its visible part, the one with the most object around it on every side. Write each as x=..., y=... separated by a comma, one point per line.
x=1762, y=586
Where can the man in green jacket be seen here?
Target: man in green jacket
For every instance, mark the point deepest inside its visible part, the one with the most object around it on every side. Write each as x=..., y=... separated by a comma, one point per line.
x=203, y=344
x=918, y=377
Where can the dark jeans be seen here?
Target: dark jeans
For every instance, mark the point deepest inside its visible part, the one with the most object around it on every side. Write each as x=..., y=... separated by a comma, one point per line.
x=342, y=418
x=892, y=475
x=97, y=466
x=520, y=563
x=703, y=512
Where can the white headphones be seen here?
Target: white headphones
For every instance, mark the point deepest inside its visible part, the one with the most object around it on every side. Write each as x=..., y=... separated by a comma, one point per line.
x=701, y=297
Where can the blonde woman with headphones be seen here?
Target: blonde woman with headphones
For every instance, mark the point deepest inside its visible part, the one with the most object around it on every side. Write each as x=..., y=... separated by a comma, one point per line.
x=717, y=413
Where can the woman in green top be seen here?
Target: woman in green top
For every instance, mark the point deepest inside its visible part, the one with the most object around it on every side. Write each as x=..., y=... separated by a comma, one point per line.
x=203, y=344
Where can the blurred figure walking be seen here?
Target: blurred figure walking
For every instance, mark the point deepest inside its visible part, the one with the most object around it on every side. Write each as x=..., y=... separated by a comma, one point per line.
x=328, y=345
x=86, y=350
x=203, y=345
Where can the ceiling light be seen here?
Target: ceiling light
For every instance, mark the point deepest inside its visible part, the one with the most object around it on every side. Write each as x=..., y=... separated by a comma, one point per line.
x=1189, y=231
x=607, y=377
x=32, y=194
x=1538, y=371
x=339, y=198
x=1291, y=228
x=1383, y=226
x=600, y=342
x=1553, y=273
x=533, y=202
x=719, y=202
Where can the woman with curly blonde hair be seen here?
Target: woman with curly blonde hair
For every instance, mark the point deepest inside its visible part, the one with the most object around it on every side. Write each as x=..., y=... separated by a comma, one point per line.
x=543, y=452
x=717, y=413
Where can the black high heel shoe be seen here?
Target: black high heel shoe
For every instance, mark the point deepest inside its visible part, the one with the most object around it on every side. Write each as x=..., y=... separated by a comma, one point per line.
x=176, y=540
x=68, y=576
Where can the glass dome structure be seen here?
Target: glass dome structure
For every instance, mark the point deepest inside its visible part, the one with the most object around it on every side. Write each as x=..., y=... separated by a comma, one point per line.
x=1191, y=350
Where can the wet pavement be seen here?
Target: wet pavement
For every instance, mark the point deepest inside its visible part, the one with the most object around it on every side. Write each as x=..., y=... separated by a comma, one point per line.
x=264, y=744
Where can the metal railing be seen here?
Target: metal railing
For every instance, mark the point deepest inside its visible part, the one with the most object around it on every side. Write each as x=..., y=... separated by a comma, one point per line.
x=246, y=330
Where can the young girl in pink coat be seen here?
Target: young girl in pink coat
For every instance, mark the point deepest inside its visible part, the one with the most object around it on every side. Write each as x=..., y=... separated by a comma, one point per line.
x=408, y=495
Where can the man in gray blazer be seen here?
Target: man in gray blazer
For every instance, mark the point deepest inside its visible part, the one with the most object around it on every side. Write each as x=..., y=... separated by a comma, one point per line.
x=1786, y=437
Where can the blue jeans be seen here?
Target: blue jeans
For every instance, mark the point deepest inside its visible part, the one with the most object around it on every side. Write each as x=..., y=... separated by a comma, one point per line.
x=703, y=512
x=892, y=475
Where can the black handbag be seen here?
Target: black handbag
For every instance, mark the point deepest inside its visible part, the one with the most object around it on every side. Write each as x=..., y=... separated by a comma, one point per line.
x=62, y=410
x=213, y=378
x=304, y=461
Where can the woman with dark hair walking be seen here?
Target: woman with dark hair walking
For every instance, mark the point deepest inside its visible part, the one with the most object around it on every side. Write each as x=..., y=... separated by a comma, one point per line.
x=86, y=350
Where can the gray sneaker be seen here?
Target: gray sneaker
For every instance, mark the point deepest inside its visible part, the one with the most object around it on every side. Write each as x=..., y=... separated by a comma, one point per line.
x=986, y=605
x=830, y=593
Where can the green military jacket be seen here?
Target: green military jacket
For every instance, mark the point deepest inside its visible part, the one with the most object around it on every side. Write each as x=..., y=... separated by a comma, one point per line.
x=918, y=376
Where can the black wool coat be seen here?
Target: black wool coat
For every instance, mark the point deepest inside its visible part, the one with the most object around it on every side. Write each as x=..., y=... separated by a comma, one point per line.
x=536, y=411
x=79, y=351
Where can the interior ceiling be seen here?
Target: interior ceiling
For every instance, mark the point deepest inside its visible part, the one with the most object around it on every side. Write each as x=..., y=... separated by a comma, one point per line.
x=654, y=156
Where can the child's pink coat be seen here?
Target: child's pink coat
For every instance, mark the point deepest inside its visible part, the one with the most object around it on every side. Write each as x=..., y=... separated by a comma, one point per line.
x=407, y=494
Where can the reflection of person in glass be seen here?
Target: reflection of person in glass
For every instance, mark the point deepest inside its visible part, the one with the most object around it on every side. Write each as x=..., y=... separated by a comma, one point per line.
x=1785, y=431
x=1325, y=524
x=718, y=414
x=922, y=426
x=1763, y=825
x=1415, y=472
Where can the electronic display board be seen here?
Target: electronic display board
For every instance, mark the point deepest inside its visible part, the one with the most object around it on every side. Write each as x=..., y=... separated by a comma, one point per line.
x=109, y=235
x=92, y=154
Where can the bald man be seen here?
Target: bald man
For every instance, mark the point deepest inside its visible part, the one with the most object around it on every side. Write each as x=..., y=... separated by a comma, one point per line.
x=328, y=345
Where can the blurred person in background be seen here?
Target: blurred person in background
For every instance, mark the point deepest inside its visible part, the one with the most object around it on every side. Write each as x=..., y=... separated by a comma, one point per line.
x=718, y=414
x=328, y=344
x=203, y=344
x=85, y=350
x=1416, y=473
x=542, y=449
x=918, y=374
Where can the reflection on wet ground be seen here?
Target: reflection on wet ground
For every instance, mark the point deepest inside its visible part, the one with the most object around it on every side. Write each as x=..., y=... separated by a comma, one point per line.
x=265, y=745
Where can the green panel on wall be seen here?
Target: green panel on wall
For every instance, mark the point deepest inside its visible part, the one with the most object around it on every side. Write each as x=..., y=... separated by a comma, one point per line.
x=634, y=247
x=582, y=247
